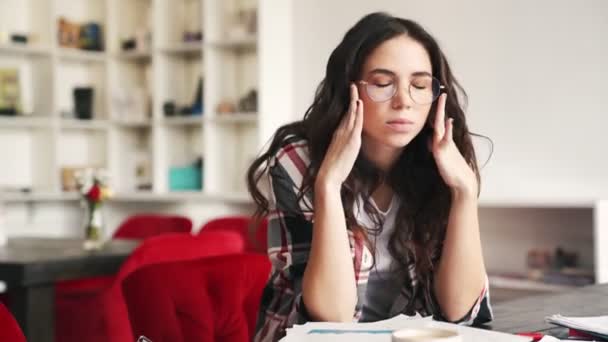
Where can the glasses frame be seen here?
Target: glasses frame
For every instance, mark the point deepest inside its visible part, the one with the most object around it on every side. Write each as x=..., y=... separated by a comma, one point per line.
x=409, y=91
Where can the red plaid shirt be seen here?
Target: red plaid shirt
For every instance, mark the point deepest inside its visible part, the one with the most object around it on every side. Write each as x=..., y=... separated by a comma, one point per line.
x=290, y=225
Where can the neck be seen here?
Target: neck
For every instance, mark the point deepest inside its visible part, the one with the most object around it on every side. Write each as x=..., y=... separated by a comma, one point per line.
x=381, y=155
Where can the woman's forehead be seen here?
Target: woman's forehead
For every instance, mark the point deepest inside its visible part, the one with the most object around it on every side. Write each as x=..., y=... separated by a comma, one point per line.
x=402, y=55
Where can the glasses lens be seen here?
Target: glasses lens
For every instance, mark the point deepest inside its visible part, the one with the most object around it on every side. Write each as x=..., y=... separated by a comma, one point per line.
x=380, y=92
x=424, y=89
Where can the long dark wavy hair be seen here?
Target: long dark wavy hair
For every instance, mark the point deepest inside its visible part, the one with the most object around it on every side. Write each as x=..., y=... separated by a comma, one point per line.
x=425, y=198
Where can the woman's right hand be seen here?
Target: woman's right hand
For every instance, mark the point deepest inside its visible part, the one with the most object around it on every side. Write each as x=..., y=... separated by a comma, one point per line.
x=344, y=147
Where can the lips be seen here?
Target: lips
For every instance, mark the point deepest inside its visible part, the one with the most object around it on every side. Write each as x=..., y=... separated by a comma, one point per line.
x=400, y=125
x=400, y=122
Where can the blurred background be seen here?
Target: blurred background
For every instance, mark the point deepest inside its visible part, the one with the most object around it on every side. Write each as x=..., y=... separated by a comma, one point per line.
x=168, y=102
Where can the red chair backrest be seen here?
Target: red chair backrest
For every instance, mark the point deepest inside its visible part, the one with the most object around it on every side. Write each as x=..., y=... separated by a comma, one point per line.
x=162, y=249
x=143, y=226
x=9, y=329
x=254, y=242
x=209, y=299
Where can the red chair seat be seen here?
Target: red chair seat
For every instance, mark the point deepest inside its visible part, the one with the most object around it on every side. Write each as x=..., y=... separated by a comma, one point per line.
x=210, y=299
x=103, y=316
x=256, y=242
x=9, y=329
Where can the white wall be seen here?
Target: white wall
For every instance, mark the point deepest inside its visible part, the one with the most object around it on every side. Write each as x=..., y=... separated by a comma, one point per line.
x=535, y=73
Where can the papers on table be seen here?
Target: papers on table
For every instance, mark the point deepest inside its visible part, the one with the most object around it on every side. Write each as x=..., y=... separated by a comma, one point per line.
x=381, y=331
x=596, y=325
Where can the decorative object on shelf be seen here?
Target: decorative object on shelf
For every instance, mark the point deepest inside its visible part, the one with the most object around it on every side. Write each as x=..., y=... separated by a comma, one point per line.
x=91, y=37
x=563, y=258
x=197, y=104
x=10, y=98
x=69, y=33
x=225, y=107
x=83, y=102
x=189, y=177
x=557, y=267
x=539, y=258
x=558, y=259
x=68, y=177
x=143, y=170
x=249, y=102
x=192, y=22
x=86, y=36
x=196, y=108
x=92, y=185
x=16, y=38
x=169, y=108
x=192, y=36
x=20, y=38
x=141, y=41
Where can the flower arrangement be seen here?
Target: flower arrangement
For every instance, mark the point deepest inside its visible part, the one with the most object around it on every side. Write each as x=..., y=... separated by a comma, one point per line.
x=93, y=187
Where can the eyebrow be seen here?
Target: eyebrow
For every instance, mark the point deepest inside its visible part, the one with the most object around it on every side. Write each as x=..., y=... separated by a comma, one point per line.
x=392, y=73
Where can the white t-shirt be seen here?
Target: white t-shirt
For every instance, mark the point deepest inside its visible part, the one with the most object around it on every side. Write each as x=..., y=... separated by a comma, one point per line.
x=382, y=287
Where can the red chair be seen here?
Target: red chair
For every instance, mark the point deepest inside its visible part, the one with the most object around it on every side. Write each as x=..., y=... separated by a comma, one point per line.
x=103, y=316
x=241, y=225
x=9, y=329
x=210, y=299
x=141, y=226
x=68, y=293
x=147, y=225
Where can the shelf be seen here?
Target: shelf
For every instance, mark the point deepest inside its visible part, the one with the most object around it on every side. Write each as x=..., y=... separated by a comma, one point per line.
x=235, y=118
x=77, y=55
x=132, y=124
x=135, y=55
x=523, y=202
x=84, y=124
x=187, y=49
x=190, y=120
x=169, y=69
x=179, y=196
x=525, y=284
x=245, y=43
x=24, y=122
x=233, y=197
x=14, y=197
x=26, y=49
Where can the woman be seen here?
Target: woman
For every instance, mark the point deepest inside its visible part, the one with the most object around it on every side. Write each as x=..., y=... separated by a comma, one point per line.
x=372, y=197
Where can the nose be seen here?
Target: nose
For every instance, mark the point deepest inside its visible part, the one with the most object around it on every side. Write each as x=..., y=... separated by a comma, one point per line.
x=401, y=98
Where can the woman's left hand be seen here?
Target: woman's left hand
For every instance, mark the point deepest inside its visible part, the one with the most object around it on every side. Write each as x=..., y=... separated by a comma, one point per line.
x=454, y=169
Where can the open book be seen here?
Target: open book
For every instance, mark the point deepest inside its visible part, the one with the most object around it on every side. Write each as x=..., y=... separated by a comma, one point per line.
x=381, y=331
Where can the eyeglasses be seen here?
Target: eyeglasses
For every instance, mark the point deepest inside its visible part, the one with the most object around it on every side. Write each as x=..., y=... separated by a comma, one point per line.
x=422, y=89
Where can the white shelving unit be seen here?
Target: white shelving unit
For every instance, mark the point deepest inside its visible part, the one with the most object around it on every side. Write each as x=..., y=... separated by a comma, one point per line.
x=512, y=226
x=167, y=69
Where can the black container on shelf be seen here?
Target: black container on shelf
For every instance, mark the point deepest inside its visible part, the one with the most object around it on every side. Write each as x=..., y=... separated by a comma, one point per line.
x=83, y=102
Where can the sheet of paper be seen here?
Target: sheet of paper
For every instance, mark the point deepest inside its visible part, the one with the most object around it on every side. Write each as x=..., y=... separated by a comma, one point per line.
x=596, y=324
x=381, y=331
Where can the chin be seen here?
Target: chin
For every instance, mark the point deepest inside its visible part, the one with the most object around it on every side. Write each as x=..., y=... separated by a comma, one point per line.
x=398, y=140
